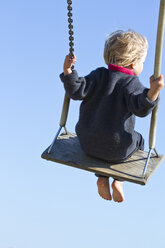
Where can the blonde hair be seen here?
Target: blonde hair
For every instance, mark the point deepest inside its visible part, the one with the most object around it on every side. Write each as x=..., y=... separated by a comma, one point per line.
x=124, y=48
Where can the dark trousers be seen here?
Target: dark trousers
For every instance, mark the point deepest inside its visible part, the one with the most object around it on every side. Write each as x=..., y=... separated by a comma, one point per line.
x=140, y=147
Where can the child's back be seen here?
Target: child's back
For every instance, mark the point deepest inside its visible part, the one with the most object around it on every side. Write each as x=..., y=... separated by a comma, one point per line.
x=111, y=99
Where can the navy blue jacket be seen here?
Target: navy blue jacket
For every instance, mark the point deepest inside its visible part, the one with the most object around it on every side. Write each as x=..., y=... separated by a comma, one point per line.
x=110, y=101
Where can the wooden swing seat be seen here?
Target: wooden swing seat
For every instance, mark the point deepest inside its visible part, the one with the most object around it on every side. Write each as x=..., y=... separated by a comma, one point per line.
x=67, y=150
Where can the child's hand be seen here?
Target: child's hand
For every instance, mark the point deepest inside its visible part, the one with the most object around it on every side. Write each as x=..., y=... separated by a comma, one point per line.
x=155, y=87
x=68, y=64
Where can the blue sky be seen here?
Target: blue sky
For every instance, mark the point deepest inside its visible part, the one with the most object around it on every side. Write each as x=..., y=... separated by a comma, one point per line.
x=43, y=204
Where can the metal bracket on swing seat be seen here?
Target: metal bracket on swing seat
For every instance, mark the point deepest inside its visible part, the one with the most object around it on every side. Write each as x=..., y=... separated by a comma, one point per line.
x=63, y=119
x=147, y=161
x=55, y=138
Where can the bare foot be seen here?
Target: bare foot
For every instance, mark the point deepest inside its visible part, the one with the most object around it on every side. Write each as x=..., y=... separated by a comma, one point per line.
x=118, y=194
x=103, y=188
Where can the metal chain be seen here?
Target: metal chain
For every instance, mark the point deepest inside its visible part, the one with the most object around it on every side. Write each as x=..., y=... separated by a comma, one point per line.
x=70, y=26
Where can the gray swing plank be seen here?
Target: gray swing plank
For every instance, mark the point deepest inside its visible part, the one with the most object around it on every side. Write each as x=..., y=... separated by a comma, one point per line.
x=67, y=151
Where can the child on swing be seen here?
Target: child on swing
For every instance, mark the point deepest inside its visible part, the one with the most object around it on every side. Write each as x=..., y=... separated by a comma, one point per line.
x=111, y=98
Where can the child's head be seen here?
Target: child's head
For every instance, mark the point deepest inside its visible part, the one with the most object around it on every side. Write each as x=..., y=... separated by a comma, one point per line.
x=125, y=48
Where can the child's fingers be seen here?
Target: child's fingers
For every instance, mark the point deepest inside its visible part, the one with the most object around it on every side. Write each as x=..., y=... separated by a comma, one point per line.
x=67, y=59
x=161, y=81
x=152, y=78
x=157, y=84
x=72, y=60
x=160, y=78
x=69, y=62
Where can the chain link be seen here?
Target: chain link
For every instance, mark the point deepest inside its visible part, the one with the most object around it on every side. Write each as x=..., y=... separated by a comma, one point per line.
x=70, y=26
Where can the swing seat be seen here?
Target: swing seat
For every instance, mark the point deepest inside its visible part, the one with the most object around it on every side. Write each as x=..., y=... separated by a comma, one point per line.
x=67, y=150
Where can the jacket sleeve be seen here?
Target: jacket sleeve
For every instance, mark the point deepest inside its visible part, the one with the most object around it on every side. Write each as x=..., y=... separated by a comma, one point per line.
x=76, y=87
x=136, y=98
